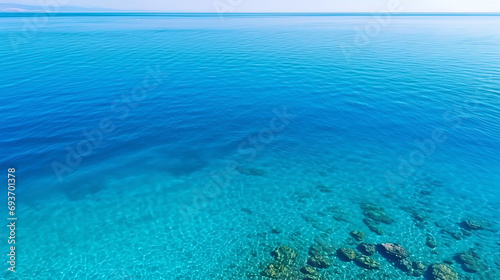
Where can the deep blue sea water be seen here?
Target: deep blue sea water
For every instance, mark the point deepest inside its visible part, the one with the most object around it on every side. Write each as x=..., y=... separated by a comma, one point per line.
x=189, y=147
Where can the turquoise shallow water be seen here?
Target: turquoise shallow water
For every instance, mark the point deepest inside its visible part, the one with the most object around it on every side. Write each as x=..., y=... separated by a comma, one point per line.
x=189, y=147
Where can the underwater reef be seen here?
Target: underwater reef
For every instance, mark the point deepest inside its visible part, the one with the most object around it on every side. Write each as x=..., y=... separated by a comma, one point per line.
x=360, y=256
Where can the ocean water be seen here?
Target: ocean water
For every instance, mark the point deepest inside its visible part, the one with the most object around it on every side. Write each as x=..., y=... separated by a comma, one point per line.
x=189, y=147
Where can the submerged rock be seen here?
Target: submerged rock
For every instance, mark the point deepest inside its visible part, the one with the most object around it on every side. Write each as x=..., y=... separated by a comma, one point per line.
x=376, y=213
x=310, y=273
x=309, y=270
x=276, y=271
x=400, y=258
x=358, y=235
x=284, y=254
x=367, y=249
x=404, y=264
x=418, y=215
x=366, y=262
x=443, y=272
x=319, y=261
x=324, y=243
x=318, y=252
x=473, y=224
x=284, y=258
x=412, y=268
x=470, y=261
x=431, y=241
x=394, y=251
x=324, y=189
x=337, y=213
x=418, y=269
x=372, y=225
x=346, y=254
x=315, y=249
x=276, y=230
x=457, y=235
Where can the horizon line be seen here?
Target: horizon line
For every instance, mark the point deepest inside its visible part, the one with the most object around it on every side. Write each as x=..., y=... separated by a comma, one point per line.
x=250, y=13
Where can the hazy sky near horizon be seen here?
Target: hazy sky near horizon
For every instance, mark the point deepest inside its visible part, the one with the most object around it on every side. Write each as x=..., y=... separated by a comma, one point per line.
x=242, y=6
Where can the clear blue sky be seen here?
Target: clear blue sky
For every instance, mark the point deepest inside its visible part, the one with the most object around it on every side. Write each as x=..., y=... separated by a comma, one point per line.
x=281, y=5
